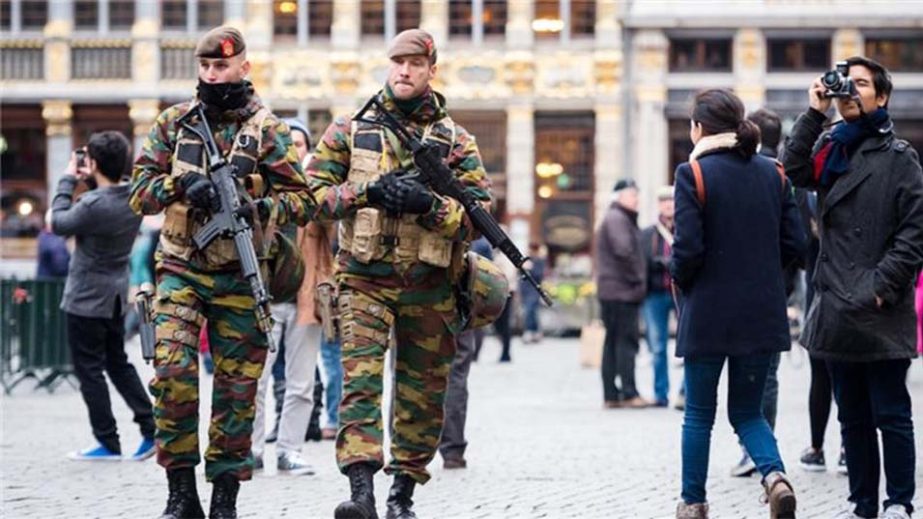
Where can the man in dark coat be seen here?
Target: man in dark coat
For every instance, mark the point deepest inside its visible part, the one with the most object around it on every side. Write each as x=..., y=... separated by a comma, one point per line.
x=621, y=284
x=862, y=322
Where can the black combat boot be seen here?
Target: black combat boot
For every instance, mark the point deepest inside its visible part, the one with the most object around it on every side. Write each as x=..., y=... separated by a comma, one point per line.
x=361, y=504
x=183, y=502
x=224, y=497
x=400, y=504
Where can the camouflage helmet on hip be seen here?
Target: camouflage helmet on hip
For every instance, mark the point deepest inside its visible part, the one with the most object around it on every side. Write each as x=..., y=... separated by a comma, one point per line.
x=486, y=290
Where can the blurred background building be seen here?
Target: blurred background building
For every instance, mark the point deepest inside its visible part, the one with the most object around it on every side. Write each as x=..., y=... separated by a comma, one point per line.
x=564, y=96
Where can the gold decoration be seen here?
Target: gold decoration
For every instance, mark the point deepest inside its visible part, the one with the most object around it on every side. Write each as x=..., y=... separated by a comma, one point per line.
x=520, y=76
x=144, y=62
x=143, y=113
x=345, y=76
x=57, y=115
x=57, y=61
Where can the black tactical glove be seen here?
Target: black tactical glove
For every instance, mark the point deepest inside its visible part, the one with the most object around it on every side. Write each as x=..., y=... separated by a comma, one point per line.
x=414, y=197
x=384, y=193
x=199, y=191
x=247, y=211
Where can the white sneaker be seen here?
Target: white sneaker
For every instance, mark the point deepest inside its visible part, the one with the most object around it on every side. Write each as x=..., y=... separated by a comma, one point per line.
x=895, y=512
x=292, y=464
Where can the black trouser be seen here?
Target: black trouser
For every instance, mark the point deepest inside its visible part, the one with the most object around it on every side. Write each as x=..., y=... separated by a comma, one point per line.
x=619, y=349
x=98, y=345
x=870, y=396
x=819, y=399
x=502, y=325
x=452, y=443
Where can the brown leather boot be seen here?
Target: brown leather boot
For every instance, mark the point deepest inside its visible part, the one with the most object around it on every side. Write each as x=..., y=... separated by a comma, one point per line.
x=693, y=511
x=780, y=495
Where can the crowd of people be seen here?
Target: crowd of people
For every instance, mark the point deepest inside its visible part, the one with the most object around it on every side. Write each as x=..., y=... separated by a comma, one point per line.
x=844, y=204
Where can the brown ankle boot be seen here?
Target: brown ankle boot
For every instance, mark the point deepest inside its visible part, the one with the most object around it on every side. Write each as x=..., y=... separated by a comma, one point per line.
x=693, y=511
x=779, y=495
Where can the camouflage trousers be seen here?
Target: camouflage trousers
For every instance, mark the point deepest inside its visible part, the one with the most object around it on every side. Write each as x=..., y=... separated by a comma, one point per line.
x=185, y=300
x=421, y=309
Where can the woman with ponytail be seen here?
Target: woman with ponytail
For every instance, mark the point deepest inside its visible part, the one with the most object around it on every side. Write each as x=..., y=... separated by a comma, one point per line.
x=737, y=227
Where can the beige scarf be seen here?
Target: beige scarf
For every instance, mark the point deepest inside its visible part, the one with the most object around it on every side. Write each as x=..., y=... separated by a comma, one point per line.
x=714, y=142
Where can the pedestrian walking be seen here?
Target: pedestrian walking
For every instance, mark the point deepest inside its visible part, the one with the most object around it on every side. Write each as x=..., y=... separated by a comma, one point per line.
x=529, y=296
x=401, y=249
x=737, y=227
x=621, y=283
x=96, y=291
x=657, y=244
x=452, y=442
x=172, y=175
x=862, y=321
x=297, y=326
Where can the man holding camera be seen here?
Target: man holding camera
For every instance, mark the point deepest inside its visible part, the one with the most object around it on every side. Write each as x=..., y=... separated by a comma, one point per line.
x=402, y=248
x=870, y=202
x=195, y=285
x=96, y=290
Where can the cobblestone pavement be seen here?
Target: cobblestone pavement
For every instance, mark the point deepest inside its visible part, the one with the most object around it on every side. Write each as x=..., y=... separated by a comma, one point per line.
x=540, y=446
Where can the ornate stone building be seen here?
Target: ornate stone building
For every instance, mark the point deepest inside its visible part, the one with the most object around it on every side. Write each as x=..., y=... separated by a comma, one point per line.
x=565, y=96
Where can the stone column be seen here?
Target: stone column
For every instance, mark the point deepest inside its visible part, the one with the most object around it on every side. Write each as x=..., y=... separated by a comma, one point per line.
x=519, y=24
x=847, y=43
x=235, y=13
x=434, y=18
x=143, y=113
x=258, y=26
x=145, y=49
x=609, y=110
x=520, y=174
x=649, y=133
x=610, y=149
x=57, y=115
x=608, y=28
x=750, y=68
x=57, y=35
x=345, y=33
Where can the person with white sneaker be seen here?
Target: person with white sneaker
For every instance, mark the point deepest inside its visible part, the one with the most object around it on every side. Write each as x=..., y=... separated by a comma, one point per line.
x=298, y=327
x=96, y=291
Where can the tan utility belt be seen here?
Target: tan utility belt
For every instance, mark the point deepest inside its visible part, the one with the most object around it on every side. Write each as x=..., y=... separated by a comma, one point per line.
x=371, y=235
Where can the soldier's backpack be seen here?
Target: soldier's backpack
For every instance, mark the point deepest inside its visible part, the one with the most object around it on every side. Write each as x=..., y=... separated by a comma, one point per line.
x=700, y=182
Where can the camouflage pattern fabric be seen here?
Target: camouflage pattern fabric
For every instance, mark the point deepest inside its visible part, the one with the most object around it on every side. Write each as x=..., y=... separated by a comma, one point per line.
x=421, y=306
x=153, y=189
x=416, y=299
x=184, y=299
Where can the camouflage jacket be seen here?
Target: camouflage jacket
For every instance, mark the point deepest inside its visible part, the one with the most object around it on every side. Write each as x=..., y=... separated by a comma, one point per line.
x=338, y=198
x=153, y=188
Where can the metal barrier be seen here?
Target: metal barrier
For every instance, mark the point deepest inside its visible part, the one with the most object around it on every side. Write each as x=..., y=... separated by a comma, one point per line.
x=33, y=338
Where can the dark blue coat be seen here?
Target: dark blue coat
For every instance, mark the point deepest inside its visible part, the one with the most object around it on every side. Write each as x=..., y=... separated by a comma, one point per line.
x=728, y=257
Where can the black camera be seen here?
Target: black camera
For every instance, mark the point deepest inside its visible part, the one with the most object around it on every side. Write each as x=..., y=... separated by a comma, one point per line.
x=838, y=83
x=81, y=155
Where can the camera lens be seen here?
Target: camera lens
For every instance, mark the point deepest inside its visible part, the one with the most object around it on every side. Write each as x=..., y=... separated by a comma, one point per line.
x=832, y=80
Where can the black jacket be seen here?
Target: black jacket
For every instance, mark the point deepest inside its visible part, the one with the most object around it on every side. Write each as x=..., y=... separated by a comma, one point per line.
x=620, y=268
x=871, y=244
x=728, y=257
x=657, y=254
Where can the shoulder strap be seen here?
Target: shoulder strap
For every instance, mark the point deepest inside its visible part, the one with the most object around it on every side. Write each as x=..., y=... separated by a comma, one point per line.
x=781, y=170
x=699, y=181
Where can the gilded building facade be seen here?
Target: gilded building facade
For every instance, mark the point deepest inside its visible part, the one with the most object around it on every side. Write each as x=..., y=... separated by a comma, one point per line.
x=564, y=96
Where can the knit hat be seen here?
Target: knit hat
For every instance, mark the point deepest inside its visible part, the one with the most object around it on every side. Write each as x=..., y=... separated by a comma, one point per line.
x=297, y=126
x=624, y=183
x=665, y=193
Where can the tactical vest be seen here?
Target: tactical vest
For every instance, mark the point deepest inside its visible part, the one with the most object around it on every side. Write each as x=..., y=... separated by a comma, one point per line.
x=181, y=221
x=373, y=235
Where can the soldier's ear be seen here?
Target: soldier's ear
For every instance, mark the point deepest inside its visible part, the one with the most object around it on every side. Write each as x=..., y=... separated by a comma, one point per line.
x=245, y=67
x=432, y=71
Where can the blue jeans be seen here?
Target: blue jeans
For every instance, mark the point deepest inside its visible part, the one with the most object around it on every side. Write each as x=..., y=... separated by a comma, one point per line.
x=333, y=370
x=746, y=383
x=530, y=307
x=657, y=308
x=870, y=396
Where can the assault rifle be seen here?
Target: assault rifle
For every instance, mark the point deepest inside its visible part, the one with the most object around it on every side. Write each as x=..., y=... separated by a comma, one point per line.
x=432, y=171
x=226, y=220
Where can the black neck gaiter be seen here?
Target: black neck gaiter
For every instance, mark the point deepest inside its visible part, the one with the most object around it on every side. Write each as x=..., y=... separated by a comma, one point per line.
x=224, y=96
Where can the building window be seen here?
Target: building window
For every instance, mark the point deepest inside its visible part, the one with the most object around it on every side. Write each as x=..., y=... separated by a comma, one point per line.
x=547, y=24
x=211, y=14
x=86, y=14
x=407, y=14
x=373, y=18
x=177, y=61
x=461, y=17
x=896, y=54
x=101, y=62
x=22, y=62
x=285, y=18
x=34, y=14
x=680, y=145
x=6, y=15
x=121, y=14
x=173, y=14
x=320, y=17
x=789, y=55
x=700, y=55
x=494, y=17
x=489, y=129
x=583, y=17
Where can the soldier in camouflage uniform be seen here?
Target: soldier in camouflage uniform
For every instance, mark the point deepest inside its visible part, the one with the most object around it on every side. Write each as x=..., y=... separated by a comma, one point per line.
x=195, y=286
x=401, y=252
